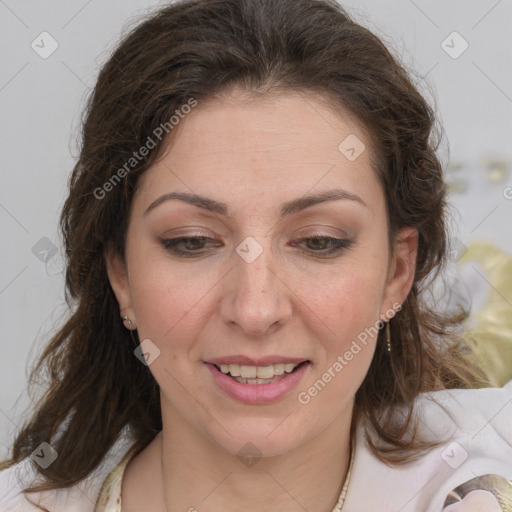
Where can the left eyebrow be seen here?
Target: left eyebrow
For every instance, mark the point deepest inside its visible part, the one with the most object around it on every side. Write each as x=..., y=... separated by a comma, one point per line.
x=288, y=208
x=302, y=203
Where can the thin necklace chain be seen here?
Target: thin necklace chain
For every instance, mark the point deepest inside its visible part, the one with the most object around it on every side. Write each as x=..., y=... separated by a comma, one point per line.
x=341, y=500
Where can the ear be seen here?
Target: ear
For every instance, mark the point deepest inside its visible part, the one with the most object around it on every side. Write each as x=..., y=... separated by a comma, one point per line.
x=401, y=269
x=118, y=277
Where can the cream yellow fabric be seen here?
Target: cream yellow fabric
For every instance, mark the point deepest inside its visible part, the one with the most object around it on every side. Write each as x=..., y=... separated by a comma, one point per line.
x=491, y=337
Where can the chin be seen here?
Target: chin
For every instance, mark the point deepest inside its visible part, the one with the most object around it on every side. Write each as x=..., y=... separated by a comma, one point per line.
x=258, y=437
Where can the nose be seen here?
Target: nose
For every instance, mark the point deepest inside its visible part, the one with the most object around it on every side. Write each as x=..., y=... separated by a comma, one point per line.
x=256, y=300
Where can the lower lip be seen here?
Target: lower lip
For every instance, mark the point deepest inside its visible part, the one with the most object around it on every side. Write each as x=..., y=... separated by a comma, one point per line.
x=258, y=393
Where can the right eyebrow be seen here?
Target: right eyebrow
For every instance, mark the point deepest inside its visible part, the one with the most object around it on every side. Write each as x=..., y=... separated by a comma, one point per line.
x=193, y=199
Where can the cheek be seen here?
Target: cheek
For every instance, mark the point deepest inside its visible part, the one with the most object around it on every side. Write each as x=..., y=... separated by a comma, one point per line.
x=345, y=323
x=347, y=303
x=169, y=305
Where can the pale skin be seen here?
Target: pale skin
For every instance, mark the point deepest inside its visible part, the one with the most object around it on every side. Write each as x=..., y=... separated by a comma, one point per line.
x=254, y=155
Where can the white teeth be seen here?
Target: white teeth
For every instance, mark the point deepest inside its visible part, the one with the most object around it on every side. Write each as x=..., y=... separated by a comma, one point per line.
x=248, y=372
x=257, y=381
x=278, y=369
x=236, y=370
x=259, y=372
x=265, y=372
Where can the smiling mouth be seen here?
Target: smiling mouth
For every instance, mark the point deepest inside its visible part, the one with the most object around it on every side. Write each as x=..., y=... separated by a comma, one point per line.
x=258, y=374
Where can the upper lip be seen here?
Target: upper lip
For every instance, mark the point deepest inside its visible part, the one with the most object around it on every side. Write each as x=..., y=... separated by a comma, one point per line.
x=256, y=361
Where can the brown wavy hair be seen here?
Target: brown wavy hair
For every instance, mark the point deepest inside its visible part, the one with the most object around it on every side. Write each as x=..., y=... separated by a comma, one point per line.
x=199, y=49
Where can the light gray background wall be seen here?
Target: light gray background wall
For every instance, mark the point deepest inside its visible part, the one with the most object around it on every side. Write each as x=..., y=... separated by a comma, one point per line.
x=41, y=100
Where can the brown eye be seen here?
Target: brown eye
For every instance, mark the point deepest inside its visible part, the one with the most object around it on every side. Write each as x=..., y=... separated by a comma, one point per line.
x=325, y=245
x=188, y=246
x=319, y=244
x=194, y=243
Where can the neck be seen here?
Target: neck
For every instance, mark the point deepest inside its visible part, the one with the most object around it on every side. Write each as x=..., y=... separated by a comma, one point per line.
x=199, y=475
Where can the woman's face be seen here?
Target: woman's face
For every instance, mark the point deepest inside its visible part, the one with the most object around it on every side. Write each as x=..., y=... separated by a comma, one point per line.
x=278, y=255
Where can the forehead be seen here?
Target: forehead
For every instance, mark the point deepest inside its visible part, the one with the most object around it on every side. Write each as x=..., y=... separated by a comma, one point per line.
x=285, y=143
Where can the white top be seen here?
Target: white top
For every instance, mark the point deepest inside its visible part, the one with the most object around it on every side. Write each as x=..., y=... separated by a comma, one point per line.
x=471, y=472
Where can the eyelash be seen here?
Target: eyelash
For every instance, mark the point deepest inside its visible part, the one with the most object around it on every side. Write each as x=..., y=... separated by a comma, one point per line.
x=172, y=245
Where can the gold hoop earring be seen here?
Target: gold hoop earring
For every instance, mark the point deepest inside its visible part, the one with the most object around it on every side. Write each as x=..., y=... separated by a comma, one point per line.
x=388, y=337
